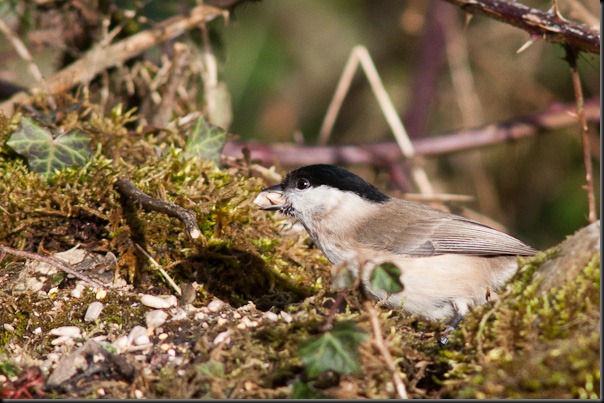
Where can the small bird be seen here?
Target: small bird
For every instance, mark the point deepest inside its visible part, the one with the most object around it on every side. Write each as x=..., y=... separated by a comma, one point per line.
x=449, y=264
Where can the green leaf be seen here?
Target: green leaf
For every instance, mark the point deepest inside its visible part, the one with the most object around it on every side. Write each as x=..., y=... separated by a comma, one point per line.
x=45, y=154
x=205, y=142
x=304, y=390
x=386, y=277
x=335, y=350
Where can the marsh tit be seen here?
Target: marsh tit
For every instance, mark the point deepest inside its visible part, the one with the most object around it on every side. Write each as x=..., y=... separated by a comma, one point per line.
x=449, y=264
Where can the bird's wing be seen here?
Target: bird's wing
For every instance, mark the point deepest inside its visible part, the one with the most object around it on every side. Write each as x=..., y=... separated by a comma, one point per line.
x=429, y=232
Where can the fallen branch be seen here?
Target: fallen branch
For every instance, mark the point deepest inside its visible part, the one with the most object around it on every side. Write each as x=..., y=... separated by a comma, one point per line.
x=549, y=25
x=100, y=58
x=380, y=154
x=136, y=196
x=51, y=261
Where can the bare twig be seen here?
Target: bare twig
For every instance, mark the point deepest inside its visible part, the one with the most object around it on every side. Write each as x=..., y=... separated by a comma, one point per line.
x=135, y=196
x=101, y=58
x=360, y=56
x=23, y=53
x=549, y=25
x=160, y=269
x=571, y=58
x=378, y=154
x=378, y=342
x=52, y=261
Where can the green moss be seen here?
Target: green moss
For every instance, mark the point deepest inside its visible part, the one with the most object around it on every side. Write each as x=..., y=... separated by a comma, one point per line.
x=532, y=344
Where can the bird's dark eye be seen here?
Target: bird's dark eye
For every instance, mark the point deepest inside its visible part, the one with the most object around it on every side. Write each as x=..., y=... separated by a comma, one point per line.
x=302, y=184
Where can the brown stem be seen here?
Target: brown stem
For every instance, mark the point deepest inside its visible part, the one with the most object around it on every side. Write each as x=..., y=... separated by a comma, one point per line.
x=571, y=58
x=52, y=261
x=378, y=342
x=134, y=195
x=549, y=25
x=382, y=154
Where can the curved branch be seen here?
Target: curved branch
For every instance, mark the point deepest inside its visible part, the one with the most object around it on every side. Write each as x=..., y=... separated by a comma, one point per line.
x=549, y=25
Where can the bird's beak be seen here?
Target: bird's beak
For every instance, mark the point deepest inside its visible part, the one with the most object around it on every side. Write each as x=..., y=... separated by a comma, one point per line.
x=271, y=198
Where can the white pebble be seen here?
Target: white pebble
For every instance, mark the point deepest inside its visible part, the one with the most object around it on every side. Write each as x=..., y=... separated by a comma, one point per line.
x=163, y=336
x=62, y=340
x=38, y=330
x=101, y=294
x=222, y=337
x=154, y=302
x=77, y=291
x=248, y=322
x=9, y=327
x=70, y=331
x=141, y=340
x=286, y=317
x=138, y=394
x=136, y=332
x=241, y=326
x=121, y=343
x=215, y=305
x=236, y=315
x=155, y=318
x=272, y=316
x=93, y=311
x=171, y=299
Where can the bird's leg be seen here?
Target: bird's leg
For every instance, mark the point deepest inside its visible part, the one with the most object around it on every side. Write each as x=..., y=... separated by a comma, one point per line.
x=444, y=339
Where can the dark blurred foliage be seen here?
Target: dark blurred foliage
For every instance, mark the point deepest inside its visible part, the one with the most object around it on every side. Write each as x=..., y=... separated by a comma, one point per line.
x=281, y=61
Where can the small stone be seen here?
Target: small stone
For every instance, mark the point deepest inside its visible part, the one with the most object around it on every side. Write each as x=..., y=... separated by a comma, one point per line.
x=141, y=340
x=248, y=322
x=100, y=392
x=121, y=343
x=38, y=330
x=165, y=346
x=136, y=332
x=101, y=294
x=163, y=336
x=286, y=317
x=236, y=315
x=222, y=337
x=138, y=394
x=77, y=291
x=155, y=318
x=272, y=316
x=62, y=340
x=93, y=311
x=154, y=302
x=70, y=331
x=9, y=327
x=215, y=305
x=221, y=321
x=171, y=299
x=241, y=326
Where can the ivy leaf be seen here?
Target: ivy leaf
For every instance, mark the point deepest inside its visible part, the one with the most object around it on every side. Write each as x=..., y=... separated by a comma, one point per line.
x=205, y=142
x=386, y=277
x=335, y=350
x=304, y=390
x=45, y=154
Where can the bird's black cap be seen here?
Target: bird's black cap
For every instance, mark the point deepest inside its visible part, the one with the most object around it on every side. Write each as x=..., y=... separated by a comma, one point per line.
x=335, y=177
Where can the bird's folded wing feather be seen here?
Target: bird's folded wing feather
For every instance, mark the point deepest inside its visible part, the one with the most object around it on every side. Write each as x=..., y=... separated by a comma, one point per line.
x=428, y=232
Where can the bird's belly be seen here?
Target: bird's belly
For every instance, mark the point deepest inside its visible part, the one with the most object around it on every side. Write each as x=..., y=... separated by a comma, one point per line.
x=439, y=287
